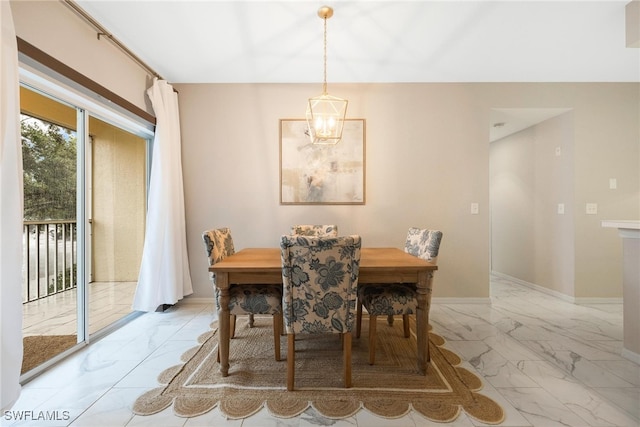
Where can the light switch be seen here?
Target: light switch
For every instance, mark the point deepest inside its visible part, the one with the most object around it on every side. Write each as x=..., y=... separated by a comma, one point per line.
x=560, y=208
x=592, y=208
x=474, y=209
x=558, y=151
x=613, y=183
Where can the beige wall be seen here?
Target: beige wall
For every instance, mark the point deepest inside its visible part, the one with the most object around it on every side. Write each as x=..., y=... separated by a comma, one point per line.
x=55, y=29
x=427, y=161
x=427, y=157
x=606, y=145
x=512, y=187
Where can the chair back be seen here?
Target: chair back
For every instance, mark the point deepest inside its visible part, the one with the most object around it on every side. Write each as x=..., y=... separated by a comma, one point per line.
x=219, y=245
x=315, y=230
x=320, y=277
x=423, y=243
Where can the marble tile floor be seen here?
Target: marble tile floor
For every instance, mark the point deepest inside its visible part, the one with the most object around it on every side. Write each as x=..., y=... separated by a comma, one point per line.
x=546, y=361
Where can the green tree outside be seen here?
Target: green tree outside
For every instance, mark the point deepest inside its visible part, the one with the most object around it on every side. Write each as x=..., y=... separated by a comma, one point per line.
x=49, y=162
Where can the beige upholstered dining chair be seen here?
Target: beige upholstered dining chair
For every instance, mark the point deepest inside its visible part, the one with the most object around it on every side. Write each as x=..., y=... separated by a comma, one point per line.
x=320, y=278
x=244, y=299
x=315, y=230
x=396, y=298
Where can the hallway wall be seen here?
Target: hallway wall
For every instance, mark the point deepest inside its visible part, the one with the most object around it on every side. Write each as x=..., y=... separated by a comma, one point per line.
x=530, y=239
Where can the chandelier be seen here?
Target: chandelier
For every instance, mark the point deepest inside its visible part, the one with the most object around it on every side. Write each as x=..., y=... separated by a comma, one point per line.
x=326, y=113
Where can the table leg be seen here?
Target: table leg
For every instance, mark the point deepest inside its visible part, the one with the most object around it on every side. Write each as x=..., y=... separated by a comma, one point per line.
x=222, y=282
x=422, y=319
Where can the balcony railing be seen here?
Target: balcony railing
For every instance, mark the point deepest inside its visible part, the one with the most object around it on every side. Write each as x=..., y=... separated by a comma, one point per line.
x=49, y=258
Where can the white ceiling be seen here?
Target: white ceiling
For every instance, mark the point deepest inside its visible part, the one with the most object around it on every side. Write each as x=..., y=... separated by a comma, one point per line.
x=389, y=41
x=506, y=121
x=375, y=41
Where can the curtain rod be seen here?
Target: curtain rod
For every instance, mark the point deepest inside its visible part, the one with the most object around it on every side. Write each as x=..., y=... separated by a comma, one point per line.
x=103, y=32
x=52, y=63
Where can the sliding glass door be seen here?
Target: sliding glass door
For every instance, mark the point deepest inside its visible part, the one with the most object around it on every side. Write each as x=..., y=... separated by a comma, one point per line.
x=116, y=220
x=50, y=245
x=85, y=180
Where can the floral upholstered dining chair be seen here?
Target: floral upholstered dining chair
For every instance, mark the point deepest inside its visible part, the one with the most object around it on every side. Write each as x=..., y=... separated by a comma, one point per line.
x=320, y=278
x=396, y=298
x=244, y=299
x=315, y=230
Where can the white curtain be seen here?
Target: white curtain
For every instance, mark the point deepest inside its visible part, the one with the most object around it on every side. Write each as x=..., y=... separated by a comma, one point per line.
x=164, y=272
x=10, y=214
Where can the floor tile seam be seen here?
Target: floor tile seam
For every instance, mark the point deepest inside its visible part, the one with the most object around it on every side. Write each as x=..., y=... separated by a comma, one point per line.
x=517, y=342
x=558, y=401
x=590, y=344
x=614, y=403
x=113, y=388
x=575, y=382
x=523, y=412
x=571, y=406
x=84, y=408
x=561, y=365
x=122, y=378
x=597, y=390
x=555, y=363
x=515, y=365
x=614, y=372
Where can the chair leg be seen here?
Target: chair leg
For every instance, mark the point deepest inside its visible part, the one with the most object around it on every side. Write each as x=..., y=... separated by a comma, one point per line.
x=372, y=339
x=251, y=320
x=277, y=327
x=291, y=354
x=232, y=332
x=346, y=339
x=405, y=324
x=358, y=318
x=232, y=326
x=390, y=319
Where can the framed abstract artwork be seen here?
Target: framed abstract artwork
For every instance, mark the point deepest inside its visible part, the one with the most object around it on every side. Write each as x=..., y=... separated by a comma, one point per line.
x=322, y=174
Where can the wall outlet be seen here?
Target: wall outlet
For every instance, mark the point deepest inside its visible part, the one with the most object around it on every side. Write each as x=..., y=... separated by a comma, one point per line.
x=475, y=208
x=613, y=183
x=560, y=208
x=592, y=208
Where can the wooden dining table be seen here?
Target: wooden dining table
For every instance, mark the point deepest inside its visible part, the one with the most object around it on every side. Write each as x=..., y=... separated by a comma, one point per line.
x=377, y=265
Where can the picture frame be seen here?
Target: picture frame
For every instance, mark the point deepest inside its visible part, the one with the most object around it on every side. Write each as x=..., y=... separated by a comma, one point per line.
x=322, y=174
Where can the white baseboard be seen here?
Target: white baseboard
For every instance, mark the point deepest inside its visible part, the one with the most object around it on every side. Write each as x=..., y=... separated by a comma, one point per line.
x=535, y=287
x=587, y=300
x=195, y=300
x=556, y=294
x=628, y=354
x=460, y=300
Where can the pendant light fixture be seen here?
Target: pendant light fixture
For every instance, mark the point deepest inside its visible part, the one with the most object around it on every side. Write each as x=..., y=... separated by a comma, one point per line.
x=326, y=113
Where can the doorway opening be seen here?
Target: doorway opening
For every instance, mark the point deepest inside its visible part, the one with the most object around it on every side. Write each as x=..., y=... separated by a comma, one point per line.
x=531, y=194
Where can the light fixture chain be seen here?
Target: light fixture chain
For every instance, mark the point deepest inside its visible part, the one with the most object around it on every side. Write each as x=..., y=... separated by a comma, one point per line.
x=324, y=84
